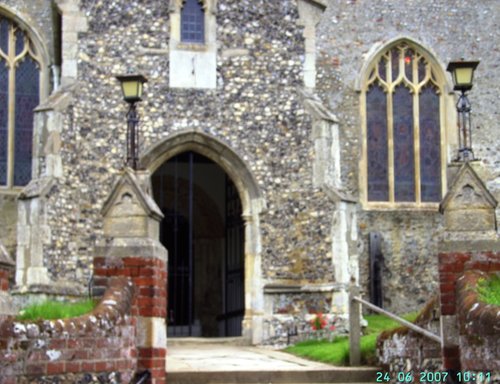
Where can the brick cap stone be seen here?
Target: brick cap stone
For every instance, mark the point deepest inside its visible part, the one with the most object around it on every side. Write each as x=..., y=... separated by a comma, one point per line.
x=132, y=247
x=481, y=242
x=128, y=178
x=479, y=197
x=468, y=206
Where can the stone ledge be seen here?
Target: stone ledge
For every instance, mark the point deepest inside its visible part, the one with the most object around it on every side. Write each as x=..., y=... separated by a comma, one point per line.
x=475, y=317
x=113, y=308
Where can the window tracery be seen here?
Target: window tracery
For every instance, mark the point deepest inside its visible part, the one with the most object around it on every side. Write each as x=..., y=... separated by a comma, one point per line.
x=402, y=128
x=19, y=96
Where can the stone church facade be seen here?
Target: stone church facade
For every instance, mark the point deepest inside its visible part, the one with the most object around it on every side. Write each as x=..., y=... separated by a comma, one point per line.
x=258, y=144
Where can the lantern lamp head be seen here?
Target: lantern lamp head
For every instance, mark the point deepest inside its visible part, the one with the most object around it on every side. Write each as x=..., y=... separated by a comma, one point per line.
x=462, y=73
x=132, y=87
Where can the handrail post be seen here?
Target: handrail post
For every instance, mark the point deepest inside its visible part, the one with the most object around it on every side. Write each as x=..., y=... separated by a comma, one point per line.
x=354, y=326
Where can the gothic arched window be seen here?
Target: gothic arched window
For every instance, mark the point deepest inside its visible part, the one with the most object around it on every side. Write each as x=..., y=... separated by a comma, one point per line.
x=19, y=95
x=402, y=127
x=193, y=22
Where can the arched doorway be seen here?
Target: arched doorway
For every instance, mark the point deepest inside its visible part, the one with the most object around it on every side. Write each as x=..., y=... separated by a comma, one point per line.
x=203, y=231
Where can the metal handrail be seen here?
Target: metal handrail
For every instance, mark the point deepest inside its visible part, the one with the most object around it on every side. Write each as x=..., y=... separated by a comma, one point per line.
x=355, y=329
x=141, y=377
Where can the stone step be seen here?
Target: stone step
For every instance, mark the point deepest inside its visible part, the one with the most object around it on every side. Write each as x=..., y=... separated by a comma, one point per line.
x=317, y=376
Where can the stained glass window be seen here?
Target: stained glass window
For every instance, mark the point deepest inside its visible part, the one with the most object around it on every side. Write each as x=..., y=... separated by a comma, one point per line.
x=402, y=127
x=404, y=155
x=4, y=120
x=378, y=184
x=27, y=98
x=430, y=145
x=193, y=22
x=19, y=95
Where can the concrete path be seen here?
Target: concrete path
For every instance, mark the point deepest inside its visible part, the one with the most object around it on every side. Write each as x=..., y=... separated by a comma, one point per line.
x=202, y=363
x=213, y=357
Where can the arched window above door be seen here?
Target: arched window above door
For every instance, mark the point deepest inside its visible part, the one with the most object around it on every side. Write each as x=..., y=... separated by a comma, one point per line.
x=402, y=108
x=20, y=90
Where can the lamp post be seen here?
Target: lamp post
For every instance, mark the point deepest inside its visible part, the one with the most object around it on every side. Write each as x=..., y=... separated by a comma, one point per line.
x=462, y=73
x=132, y=86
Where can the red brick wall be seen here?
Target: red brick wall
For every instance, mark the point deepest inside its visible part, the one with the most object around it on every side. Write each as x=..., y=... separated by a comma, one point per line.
x=452, y=266
x=478, y=326
x=100, y=344
x=149, y=277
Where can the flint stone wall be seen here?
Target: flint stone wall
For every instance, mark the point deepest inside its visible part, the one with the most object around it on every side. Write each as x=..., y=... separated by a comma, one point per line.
x=255, y=110
x=347, y=33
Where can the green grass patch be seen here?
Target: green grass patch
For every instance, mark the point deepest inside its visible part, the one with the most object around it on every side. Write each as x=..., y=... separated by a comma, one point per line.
x=52, y=310
x=489, y=290
x=337, y=351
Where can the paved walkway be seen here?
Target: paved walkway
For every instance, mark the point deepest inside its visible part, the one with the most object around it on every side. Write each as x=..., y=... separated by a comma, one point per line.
x=213, y=357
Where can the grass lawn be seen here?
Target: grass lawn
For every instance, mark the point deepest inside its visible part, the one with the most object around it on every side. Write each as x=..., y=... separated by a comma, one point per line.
x=337, y=352
x=51, y=310
x=489, y=290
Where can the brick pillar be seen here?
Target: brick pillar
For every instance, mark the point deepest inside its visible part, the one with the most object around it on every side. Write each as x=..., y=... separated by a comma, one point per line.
x=131, y=225
x=470, y=230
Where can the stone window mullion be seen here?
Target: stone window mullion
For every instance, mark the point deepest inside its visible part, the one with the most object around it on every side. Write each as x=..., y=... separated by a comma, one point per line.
x=11, y=63
x=390, y=130
x=414, y=131
x=416, y=125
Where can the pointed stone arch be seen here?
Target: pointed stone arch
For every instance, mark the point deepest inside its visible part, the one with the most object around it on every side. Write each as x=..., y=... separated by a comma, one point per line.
x=380, y=48
x=373, y=72
x=42, y=52
x=253, y=205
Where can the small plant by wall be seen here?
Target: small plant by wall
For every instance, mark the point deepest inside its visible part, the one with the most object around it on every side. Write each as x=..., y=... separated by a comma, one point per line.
x=53, y=310
x=489, y=290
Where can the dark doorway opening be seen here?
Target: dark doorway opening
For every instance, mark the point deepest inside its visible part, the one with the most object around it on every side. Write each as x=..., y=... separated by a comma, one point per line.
x=203, y=231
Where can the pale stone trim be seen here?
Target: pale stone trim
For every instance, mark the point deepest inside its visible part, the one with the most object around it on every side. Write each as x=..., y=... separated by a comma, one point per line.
x=310, y=13
x=327, y=176
x=151, y=332
x=33, y=232
x=193, y=65
x=41, y=57
x=73, y=22
x=447, y=126
x=253, y=204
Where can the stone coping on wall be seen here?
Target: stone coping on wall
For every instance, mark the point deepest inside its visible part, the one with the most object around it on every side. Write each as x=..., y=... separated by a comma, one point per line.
x=429, y=313
x=114, y=306
x=475, y=316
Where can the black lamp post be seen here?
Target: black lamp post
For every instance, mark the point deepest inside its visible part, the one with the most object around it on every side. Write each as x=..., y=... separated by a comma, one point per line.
x=462, y=73
x=132, y=86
